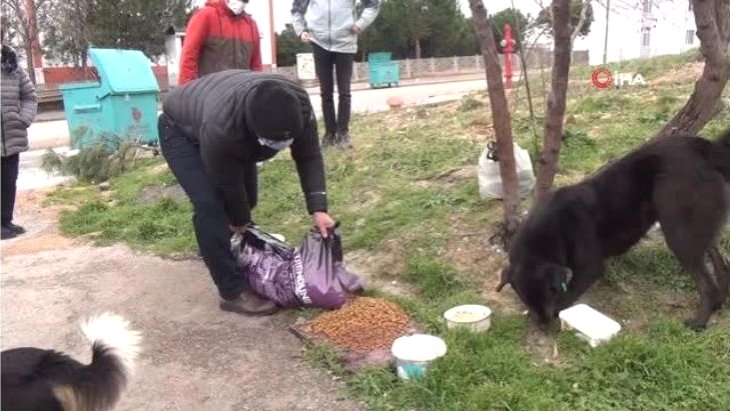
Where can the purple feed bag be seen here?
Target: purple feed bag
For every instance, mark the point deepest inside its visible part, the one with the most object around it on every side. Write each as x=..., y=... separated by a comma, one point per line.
x=312, y=275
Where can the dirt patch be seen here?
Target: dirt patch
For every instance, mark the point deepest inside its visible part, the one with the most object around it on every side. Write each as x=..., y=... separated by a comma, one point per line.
x=366, y=201
x=158, y=169
x=688, y=73
x=471, y=254
x=379, y=269
x=39, y=222
x=36, y=243
x=450, y=178
x=541, y=347
x=155, y=193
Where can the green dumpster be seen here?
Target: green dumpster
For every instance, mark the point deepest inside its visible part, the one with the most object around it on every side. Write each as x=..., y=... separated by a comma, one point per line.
x=121, y=105
x=382, y=71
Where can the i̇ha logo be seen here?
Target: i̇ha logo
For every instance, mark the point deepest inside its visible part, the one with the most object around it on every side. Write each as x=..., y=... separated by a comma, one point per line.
x=603, y=77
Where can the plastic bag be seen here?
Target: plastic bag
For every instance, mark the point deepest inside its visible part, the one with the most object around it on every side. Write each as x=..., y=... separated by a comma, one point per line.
x=312, y=275
x=272, y=268
x=490, y=179
x=327, y=280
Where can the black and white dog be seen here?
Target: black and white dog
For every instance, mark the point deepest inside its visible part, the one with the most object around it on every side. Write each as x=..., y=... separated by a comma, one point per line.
x=681, y=182
x=38, y=379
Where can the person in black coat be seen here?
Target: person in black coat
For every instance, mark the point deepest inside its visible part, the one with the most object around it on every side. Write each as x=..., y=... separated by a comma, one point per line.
x=213, y=131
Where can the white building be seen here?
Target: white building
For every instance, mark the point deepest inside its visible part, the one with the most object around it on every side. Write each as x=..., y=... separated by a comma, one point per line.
x=636, y=28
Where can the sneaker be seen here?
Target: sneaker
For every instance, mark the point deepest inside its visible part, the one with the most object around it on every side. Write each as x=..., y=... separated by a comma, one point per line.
x=7, y=233
x=248, y=303
x=329, y=139
x=15, y=228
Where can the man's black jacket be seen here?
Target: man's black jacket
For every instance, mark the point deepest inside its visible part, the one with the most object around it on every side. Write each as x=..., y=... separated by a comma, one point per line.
x=210, y=111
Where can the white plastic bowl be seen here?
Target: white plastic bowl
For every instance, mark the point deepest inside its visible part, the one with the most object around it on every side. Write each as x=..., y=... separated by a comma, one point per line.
x=414, y=353
x=589, y=324
x=476, y=318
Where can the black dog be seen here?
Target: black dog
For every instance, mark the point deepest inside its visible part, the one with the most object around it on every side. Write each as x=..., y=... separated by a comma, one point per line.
x=35, y=379
x=681, y=182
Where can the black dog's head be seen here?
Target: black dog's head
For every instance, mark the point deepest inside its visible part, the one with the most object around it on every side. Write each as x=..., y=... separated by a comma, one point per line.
x=539, y=285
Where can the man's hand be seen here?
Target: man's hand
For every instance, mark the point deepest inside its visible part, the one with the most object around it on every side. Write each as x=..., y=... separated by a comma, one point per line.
x=324, y=222
x=306, y=37
x=356, y=29
x=237, y=229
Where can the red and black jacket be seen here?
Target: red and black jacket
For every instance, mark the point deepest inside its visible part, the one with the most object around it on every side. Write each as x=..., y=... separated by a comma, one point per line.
x=216, y=40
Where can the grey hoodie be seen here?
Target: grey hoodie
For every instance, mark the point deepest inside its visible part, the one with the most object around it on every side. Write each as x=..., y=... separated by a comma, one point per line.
x=330, y=22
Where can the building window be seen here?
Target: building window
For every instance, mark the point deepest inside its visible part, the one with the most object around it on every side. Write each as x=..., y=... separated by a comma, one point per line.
x=690, y=37
x=645, y=37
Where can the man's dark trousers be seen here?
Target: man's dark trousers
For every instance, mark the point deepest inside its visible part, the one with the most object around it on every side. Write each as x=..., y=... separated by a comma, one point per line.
x=10, y=166
x=324, y=63
x=209, y=217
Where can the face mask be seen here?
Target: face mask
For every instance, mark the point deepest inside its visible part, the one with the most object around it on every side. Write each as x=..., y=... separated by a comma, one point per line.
x=236, y=6
x=277, y=145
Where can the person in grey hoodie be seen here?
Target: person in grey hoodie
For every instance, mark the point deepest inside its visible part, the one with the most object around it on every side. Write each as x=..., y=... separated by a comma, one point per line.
x=332, y=26
x=19, y=105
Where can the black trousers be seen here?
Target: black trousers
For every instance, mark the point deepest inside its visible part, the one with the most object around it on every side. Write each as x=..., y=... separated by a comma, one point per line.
x=324, y=63
x=10, y=165
x=209, y=217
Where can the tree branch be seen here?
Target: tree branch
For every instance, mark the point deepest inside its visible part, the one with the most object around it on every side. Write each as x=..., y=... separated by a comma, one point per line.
x=500, y=116
x=712, y=18
x=547, y=165
x=581, y=21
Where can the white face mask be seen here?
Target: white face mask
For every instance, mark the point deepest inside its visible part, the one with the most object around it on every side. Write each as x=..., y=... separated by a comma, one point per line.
x=236, y=6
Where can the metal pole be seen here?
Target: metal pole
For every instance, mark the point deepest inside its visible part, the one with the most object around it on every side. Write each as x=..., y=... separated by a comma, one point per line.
x=605, y=41
x=272, y=33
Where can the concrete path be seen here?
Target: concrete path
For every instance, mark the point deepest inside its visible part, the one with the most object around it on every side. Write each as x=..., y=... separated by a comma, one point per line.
x=195, y=357
x=55, y=133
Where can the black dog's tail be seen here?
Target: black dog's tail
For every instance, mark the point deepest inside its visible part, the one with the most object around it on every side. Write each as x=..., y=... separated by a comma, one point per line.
x=99, y=385
x=722, y=161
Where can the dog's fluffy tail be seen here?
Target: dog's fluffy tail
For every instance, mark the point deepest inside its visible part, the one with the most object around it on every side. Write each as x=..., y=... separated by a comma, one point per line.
x=100, y=384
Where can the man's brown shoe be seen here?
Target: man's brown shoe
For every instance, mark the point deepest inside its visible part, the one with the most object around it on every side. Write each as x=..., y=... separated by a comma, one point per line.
x=248, y=303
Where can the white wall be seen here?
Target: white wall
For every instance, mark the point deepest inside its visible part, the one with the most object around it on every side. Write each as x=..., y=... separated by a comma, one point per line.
x=673, y=19
x=259, y=9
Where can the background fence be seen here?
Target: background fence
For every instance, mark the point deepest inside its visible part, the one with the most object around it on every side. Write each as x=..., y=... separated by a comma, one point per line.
x=446, y=66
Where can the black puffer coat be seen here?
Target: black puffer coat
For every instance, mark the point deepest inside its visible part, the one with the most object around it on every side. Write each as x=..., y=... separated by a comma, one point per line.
x=210, y=111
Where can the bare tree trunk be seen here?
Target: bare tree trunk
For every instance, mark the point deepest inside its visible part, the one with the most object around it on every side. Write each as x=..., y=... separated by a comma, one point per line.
x=29, y=61
x=576, y=29
x=712, y=18
x=547, y=165
x=418, y=49
x=501, y=118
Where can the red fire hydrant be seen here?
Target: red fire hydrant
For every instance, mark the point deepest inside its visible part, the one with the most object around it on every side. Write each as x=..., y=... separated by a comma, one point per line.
x=508, y=44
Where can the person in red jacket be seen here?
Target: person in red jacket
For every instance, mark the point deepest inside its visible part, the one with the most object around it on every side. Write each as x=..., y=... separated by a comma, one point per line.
x=220, y=36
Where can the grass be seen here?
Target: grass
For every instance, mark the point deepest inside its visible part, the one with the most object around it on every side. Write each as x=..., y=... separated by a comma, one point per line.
x=665, y=368
x=399, y=194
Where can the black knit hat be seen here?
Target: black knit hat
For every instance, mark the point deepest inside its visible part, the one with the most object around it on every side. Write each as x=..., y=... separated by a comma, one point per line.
x=273, y=111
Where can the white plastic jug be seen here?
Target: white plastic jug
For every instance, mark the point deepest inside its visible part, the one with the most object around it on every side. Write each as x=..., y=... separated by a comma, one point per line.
x=490, y=180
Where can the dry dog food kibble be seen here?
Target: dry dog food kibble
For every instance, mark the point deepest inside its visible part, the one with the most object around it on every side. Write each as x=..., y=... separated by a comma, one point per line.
x=363, y=324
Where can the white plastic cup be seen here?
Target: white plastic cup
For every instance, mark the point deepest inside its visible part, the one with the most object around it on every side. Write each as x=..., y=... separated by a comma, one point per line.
x=414, y=353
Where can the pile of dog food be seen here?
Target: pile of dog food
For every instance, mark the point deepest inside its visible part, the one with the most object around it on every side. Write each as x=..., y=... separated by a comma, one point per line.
x=363, y=324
